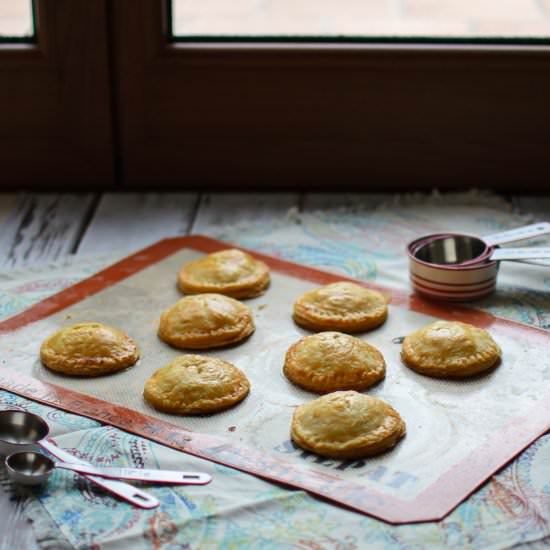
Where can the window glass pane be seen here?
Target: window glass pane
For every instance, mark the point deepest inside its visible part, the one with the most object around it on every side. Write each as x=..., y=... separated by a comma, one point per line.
x=16, y=20
x=361, y=18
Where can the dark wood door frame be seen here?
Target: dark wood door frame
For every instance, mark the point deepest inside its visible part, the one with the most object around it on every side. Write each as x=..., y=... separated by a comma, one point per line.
x=55, y=102
x=299, y=116
x=263, y=116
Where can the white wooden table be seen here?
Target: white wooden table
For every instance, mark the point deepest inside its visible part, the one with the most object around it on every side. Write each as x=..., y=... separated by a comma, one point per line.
x=37, y=228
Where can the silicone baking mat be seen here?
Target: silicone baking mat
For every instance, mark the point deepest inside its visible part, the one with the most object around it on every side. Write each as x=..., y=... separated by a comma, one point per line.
x=458, y=432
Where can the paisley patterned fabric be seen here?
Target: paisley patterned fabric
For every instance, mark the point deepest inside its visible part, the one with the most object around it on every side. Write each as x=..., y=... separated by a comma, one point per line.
x=240, y=511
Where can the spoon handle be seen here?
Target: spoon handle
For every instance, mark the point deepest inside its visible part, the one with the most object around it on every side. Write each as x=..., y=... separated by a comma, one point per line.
x=518, y=234
x=141, y=474
x=128, y=492
x=524, y=253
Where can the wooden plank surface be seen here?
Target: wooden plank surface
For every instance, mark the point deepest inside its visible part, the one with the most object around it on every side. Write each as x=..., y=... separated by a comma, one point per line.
x=34, y=229
x=538, y=205
x=234, y=208
x=43, y=227
x=129, y=221
x=324, y=201
x=8, y=202
x=16, y=532
x=12, y=212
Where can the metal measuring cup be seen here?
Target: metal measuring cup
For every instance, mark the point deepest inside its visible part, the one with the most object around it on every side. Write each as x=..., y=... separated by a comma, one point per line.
x=24, y=431
x=459, y=267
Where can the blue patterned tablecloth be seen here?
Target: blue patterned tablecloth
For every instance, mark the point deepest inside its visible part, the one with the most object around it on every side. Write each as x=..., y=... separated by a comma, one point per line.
x=240, y=511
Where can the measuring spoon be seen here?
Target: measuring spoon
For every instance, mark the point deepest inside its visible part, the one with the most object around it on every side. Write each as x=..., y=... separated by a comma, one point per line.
x=24, y=431
x=32, y=468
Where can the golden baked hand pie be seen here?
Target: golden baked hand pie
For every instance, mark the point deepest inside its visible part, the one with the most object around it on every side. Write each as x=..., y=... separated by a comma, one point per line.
x=331, y=361
x=346, y=424
x=205, y=321
x=341, y=306
x=230, y=272
x=88, y=349
x=194, y=384
x=450, y=349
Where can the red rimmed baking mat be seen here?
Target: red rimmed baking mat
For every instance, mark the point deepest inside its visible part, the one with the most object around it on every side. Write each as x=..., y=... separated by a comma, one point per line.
x=459, y=432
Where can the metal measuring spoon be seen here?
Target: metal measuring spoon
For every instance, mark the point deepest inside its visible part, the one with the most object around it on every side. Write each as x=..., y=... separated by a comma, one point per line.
x=31, y=468
x=24, y=431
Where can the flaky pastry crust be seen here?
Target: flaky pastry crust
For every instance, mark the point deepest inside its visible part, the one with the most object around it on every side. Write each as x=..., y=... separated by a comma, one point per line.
x=205, y=321
x=331, y=361
x=346, y=424
x=88, y=349
x=231, y=272
x=341, y=306
x=450, y=349
x=194, y=384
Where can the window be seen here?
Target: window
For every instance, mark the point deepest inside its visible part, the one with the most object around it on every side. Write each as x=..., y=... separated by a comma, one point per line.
x=396, y=20
x=303, y=114
x=16, y=21
x=105, y=92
